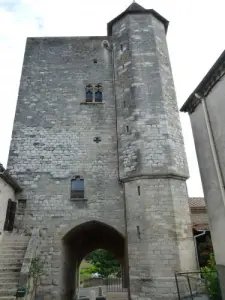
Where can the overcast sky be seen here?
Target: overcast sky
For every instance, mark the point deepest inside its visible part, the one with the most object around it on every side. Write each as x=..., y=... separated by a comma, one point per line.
x=195, y=40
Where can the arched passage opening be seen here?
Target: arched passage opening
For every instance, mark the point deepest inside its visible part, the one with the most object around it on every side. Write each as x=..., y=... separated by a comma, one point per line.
x=82, y=240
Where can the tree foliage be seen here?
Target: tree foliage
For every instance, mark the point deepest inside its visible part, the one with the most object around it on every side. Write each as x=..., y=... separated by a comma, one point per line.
x=104, y=262
x=211, y=277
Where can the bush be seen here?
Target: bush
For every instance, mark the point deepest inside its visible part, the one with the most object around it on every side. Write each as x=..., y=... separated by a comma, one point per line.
x=209, y=273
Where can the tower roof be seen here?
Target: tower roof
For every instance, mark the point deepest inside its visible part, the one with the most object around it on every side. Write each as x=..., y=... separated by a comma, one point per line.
x=135, y=8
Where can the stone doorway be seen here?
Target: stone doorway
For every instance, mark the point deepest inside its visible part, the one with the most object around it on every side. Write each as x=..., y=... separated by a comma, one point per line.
x=80, y=241
x=10, y=216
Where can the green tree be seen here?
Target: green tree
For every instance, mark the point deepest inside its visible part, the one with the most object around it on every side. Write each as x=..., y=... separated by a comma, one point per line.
x=104, y=262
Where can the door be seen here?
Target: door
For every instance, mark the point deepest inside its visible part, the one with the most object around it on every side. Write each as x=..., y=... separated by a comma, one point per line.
x=10, y=215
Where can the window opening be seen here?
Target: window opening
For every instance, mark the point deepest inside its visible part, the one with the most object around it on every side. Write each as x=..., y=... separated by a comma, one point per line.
x=89, y=93
x=98, y=93
x=139, y=190
x=77, y=187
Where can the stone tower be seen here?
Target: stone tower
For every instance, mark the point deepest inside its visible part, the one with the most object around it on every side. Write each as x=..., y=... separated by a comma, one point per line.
x=98, y=149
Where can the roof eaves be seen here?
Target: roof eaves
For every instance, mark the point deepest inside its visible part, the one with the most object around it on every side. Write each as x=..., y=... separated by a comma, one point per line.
x=4, y=174
x=216, y=72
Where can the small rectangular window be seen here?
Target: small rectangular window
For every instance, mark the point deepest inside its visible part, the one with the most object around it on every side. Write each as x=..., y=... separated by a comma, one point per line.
x=77, y=187
x=124, y=104
x=139, y=190
x=127, y=128
x=121, y=47
x=22, y=204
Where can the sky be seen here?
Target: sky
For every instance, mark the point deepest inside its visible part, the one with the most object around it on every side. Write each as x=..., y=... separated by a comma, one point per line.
x=195, y=40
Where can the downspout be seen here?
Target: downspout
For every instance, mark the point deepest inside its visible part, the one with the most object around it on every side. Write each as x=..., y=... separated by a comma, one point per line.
x=212, y=146
x=124, y=193
x=196, y=249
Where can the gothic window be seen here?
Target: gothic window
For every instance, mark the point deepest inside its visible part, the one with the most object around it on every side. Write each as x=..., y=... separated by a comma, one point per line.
x=94, y=93
x=77, y=187
x=98, y=93
x=89, y=93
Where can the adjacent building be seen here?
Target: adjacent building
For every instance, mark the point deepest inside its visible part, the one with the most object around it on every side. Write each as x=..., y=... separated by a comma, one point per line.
x=206, y=107
x=9, y=189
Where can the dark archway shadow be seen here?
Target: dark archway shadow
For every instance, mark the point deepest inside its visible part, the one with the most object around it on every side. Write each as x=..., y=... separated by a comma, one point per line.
x=80, y=241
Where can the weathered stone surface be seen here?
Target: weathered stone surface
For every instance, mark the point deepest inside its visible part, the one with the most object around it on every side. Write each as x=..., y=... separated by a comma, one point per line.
x=141, y=145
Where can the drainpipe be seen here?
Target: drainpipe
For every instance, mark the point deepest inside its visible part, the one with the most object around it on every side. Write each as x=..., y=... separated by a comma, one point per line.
x=126, y=260
x=196, y=249
x=212, y=146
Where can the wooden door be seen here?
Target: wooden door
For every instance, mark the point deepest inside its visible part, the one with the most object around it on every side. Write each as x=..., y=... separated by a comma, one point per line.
x=10, y=215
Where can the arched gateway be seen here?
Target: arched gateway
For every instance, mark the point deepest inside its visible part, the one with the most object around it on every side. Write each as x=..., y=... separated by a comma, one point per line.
x=117, y=158
x=80, y=241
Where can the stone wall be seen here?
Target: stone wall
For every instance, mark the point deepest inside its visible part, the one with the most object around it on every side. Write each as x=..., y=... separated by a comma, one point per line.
x=149, y=130
x=141, y=145
x=53, y=136
x=54, y=129
x=152, y=160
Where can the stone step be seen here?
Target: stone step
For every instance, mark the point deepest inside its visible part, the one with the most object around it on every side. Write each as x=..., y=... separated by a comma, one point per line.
x=16, y=240
x=10, y=264
x=8, y=292
x=7, y=298
x=11, y=252
x=117, y=295
x=11, y=279
x=11, y=260
x=12, y=243
x=12, y=276
x=7, y=233
x=13, y=247
x=9, y=285
x=9, y=269
x=7, y=255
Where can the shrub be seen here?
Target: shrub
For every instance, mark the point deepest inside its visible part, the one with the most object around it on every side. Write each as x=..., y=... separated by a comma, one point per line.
x=209, y=273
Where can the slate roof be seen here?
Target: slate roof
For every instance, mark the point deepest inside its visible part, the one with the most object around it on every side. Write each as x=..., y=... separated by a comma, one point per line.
x=135, y=8
x=4, y=174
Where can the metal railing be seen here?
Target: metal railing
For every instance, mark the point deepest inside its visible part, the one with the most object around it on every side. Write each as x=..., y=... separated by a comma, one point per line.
x=115, y=284
x=198, y=286
x=109, y=283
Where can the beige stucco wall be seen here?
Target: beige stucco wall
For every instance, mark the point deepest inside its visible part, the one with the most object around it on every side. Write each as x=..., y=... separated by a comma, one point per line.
x=199, y=217
x=6, y=192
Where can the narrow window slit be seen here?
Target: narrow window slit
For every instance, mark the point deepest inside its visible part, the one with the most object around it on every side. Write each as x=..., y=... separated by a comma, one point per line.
x=139, y=190
x=127, y=128
x=138, y=232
